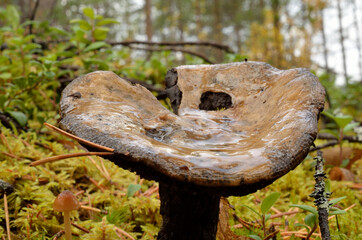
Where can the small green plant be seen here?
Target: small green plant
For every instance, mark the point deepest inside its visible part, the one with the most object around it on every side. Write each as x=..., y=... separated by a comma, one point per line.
x=342, y=125
x=311, y=220
x=265, y=206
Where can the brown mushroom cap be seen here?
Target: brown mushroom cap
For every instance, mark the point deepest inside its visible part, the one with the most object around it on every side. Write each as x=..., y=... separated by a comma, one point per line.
x=65, y=202
x=264, y=132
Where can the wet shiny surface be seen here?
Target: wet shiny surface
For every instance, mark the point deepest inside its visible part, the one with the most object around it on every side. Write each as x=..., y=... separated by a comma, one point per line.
x=265, y=133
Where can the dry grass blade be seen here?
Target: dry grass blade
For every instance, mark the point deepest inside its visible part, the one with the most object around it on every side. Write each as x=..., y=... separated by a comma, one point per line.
x=11, y=155
x=271, y=235
x=81, y=140
x=124, y=233
x=283, y=214
x=6, y=210
x=65, y=156
x=3, y=139
x=93, y=209
x=100, y=169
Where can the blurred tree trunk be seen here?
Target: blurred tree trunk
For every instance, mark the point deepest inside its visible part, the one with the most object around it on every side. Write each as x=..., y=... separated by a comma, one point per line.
x=239, y=43
x=217, y=29
x=198, y=19
x=341, y=39
x=324, y=40
x=148, y=20
x=276, y=30
x=50, y=16
x=358, y=40
x=180, y=24
x=23, y=10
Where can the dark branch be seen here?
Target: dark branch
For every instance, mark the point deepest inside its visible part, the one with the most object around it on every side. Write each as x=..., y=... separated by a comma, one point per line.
x=32, y=17
x=329, y=144
x=327, y=136
x=201, y=43
x=206, y=59
x=321, y=196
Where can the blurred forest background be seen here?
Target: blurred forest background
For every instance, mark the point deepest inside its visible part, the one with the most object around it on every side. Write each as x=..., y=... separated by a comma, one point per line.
x=45, y=44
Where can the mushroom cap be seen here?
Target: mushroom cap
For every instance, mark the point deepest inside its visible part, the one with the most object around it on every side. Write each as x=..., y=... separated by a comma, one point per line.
x=265, y=129
x=65, y=202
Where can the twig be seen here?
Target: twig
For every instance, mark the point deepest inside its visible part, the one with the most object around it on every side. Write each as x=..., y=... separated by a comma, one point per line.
x=271, y=235
x=81, y=228
x=311, y=231
x=327, y=136
x=328, y=144
x=321, y=196
x=6, y=210
x=206, y=59
x=93, y=209
x=124, y=233
x=58, y=235
x=11, y=155
x=102, y=188
x=32, y=17
x=150, y=191
x=200, y=43
x=105, y=171
x=81, y=140
x=283, y=214
x=100, y=169
x=65, y=156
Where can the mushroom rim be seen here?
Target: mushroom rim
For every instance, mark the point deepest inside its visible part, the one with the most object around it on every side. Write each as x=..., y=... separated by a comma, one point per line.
x=230, y=182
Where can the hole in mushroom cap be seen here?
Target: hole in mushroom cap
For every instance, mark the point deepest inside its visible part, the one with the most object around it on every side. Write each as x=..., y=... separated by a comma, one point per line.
x=215, y=101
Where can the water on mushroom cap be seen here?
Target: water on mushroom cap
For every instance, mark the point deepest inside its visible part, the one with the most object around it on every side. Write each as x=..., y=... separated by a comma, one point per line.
x=270, y=110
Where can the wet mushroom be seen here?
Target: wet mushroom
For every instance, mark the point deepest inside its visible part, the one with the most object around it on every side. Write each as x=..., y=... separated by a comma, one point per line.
x=66, y=202
x=238, y=128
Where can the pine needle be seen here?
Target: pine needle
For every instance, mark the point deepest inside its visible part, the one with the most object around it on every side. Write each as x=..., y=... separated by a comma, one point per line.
x=6, y=210
x=81, y=140
x=65, y=156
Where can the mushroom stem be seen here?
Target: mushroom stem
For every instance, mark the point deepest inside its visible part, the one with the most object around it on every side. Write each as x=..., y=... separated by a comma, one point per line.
x=67, y=225
x=188, y=212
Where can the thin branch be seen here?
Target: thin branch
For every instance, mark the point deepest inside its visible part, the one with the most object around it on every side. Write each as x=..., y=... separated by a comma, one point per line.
x=328, y=144
x=311, y=231
x=81, y=140
x=119, y=230
x=284, y=214
x=32, y=17
x=165, y=43
x=150, y=87
x=206, y=59
x=80, y=227
x=65, y=156
x=321, y=196
x=327, y=136
x=271, y=235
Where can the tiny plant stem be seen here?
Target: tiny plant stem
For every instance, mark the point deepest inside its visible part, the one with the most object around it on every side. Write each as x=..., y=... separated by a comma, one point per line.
x=67, y=225
x=264, y=228
x=340, y=140
x=22, y=60
x=311, y=231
